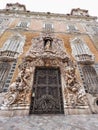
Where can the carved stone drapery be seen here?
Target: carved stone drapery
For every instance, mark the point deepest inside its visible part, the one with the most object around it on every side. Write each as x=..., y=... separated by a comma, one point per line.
x=19, y=92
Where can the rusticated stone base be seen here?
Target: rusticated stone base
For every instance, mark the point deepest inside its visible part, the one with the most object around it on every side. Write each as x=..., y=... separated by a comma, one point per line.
x=24, y=111
x=11, y=113
x=77, y=111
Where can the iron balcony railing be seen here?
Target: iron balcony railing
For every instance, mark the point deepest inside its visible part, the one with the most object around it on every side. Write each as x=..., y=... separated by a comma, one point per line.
x=85, y=59
x=7, y=54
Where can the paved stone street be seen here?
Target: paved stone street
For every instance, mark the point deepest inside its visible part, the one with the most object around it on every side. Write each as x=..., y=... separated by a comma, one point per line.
x=53, y=122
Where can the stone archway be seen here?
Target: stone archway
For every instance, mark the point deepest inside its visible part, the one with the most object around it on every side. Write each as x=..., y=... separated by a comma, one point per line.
x=19, y=93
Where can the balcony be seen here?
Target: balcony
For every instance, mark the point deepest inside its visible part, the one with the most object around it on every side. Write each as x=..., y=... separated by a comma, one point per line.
x=85, y=59
x=8, y=55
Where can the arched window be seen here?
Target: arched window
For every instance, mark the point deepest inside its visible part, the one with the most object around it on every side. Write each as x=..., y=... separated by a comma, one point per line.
x=81, y=51
x=12, y=47
x=90, y=79
x=13, y=44
x=4, y=70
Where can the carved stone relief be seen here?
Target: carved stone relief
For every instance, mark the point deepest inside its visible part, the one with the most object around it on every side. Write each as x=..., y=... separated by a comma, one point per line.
x=74, y=91
x=19, y=92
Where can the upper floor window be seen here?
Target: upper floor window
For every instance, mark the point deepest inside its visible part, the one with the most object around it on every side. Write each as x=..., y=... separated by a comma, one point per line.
x=3, y=21
x=23, y=24
x=92, y=29
x=95, y=29
x=81, y=51
x=72, y=28
x=13, y=46
x=48, y=27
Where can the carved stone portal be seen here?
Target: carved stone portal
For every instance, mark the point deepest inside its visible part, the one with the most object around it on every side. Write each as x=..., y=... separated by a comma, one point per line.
x=19, y=92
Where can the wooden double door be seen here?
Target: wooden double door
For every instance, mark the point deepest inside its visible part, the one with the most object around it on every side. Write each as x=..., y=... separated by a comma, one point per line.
x=47, y=92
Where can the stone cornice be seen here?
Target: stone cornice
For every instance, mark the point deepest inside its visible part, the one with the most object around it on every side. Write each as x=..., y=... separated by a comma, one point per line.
x=47, y=14
x=55, y=32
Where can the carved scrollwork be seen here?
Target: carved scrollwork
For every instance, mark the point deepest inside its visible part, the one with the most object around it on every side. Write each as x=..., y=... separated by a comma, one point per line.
x=20, y=88
x=12, y=94
x=46, y=103
x=74, y=93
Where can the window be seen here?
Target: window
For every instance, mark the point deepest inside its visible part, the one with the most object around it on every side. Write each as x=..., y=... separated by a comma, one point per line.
x=4, y=70
x=95, y=29
x=48, y=27
x=90, y=78
x=81, y=51
x=72, y=28
x=4, y=21
x=14, y=44
x=92, y=29
x=23, y=24
x=12, y=47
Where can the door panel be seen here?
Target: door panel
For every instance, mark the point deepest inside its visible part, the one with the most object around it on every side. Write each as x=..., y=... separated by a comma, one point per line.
x=47, y=94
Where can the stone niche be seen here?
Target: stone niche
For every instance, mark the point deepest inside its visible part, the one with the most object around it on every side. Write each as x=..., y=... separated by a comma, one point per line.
x=46, y=50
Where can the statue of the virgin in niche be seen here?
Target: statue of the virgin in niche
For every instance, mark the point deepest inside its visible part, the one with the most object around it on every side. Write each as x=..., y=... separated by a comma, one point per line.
x=48, y=45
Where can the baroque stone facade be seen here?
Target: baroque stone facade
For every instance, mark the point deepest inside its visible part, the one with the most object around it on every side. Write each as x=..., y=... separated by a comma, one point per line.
x=48, y=41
